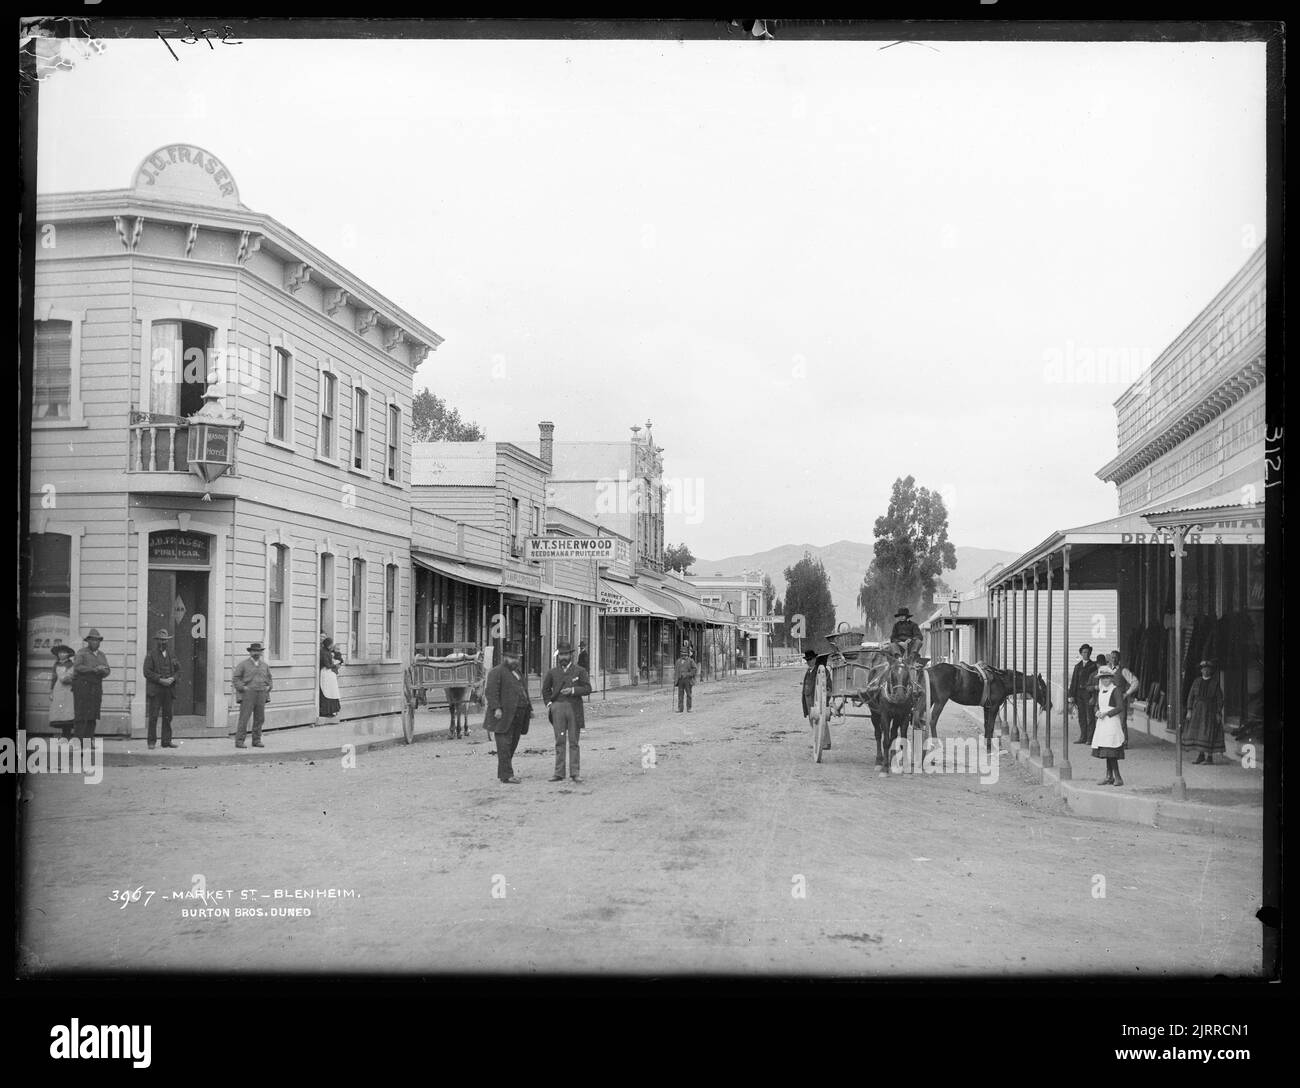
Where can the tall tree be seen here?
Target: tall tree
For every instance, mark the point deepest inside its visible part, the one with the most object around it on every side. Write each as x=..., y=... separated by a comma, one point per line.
x=433, y=421
x=678, y=557
x=912, y=549
x=809, y=610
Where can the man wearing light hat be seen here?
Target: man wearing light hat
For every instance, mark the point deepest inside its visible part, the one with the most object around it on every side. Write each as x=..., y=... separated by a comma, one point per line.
x=252, y=683
x=89, y=668
x=160, y=669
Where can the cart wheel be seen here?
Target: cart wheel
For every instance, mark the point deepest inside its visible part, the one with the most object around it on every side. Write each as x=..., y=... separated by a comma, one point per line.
x=820, y=715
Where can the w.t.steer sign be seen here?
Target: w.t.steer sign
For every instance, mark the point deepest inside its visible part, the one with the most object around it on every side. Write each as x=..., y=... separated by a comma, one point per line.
x=571, y=547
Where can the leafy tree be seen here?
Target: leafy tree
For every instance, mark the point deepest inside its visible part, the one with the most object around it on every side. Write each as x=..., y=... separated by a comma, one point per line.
x=780, y=634
x=678, y=557
x=433, y=421
x=808, y=595
x=912, y=549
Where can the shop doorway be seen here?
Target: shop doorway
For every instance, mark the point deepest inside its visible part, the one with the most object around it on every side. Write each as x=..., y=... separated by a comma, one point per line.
x=178, y=604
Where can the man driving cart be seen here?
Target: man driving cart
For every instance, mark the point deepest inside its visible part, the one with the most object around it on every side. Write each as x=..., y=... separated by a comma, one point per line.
x=905, y=640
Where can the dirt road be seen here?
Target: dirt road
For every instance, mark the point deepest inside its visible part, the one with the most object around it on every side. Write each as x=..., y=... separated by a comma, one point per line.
x=707, y=842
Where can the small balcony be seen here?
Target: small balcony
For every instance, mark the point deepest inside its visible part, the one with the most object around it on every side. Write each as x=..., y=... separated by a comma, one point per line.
x=158, y=443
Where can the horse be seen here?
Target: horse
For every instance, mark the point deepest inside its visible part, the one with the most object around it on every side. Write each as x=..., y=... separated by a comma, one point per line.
x=460, y=697
x=963, y=686
x=891, y=714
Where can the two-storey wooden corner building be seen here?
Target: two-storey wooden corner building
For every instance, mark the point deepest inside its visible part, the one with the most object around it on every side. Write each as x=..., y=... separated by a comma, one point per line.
x=220, y=449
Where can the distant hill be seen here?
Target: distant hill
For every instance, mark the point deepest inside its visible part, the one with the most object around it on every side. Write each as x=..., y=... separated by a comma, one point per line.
x=846, y=561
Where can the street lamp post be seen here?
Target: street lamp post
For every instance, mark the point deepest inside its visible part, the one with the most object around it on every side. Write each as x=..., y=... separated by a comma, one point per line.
x=954, y=606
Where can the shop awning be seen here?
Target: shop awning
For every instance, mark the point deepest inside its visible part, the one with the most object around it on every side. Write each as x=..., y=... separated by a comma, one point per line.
x=1126, y=529
x=618, y=599
x=688, y=608
x=720, y=617
x=462, y=572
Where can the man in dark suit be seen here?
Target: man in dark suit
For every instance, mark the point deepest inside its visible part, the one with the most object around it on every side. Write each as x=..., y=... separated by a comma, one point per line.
x=508, y=710
x=562, y=690
x=906, y=635
x=1083, y=693
x=160, y=669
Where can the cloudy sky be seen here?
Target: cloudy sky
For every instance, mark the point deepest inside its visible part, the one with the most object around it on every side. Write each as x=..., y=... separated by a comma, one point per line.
x=815, y=266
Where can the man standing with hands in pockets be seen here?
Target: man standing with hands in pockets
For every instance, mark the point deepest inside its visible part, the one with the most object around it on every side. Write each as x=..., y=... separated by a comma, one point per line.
x=252, y=682
x=562, y=692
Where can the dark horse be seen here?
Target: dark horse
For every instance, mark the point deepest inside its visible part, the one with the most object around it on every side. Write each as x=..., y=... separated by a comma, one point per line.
x=892, y=704
x=948, y=682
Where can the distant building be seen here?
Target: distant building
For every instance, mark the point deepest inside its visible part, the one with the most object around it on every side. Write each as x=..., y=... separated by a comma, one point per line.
x=742, y=594
x=499, y=490
x=645, y=615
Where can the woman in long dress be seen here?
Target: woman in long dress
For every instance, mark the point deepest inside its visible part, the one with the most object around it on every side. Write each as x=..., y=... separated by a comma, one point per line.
x=1108, y=735
x=329, y=679
x=1203, y=728
x=62, y=713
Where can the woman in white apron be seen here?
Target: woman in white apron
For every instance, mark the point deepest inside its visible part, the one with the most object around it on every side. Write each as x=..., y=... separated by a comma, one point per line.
x=329, y=679
x=61, y=711
x=1108, y=736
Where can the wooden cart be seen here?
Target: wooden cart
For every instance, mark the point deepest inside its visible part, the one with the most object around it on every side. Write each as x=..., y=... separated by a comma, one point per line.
x=457, y=668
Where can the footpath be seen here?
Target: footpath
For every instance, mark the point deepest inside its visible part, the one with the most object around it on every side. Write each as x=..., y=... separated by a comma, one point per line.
x=327, y=741
x=1225, y=798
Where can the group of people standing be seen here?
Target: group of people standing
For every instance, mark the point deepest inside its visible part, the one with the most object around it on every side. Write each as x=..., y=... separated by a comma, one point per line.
x=1101, y=692
x=77, y=686
x=510, y=709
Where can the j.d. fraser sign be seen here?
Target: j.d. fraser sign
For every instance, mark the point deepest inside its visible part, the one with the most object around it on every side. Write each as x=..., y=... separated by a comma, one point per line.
x=188, y=160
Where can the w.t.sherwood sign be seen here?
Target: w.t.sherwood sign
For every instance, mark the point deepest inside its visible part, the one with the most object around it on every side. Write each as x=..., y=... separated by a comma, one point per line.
x=571, y=547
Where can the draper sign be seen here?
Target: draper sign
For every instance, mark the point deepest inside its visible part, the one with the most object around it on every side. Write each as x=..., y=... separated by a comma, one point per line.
x=571, y=547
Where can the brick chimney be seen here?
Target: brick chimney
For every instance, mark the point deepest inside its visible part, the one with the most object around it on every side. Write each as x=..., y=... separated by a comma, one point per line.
x=547, y=430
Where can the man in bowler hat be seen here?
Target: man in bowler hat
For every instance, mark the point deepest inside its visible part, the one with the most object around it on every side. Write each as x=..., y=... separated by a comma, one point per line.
x=1083, y=693
x=562, y=690
x=160, y=669
x=508, y=709
x=252, y=683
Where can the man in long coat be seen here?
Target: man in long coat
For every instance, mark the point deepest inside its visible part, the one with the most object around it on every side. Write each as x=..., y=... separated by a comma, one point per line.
x=508, y=710
x=89, y=668
x=562, y=690
x=684, y=670
x=160, y=669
